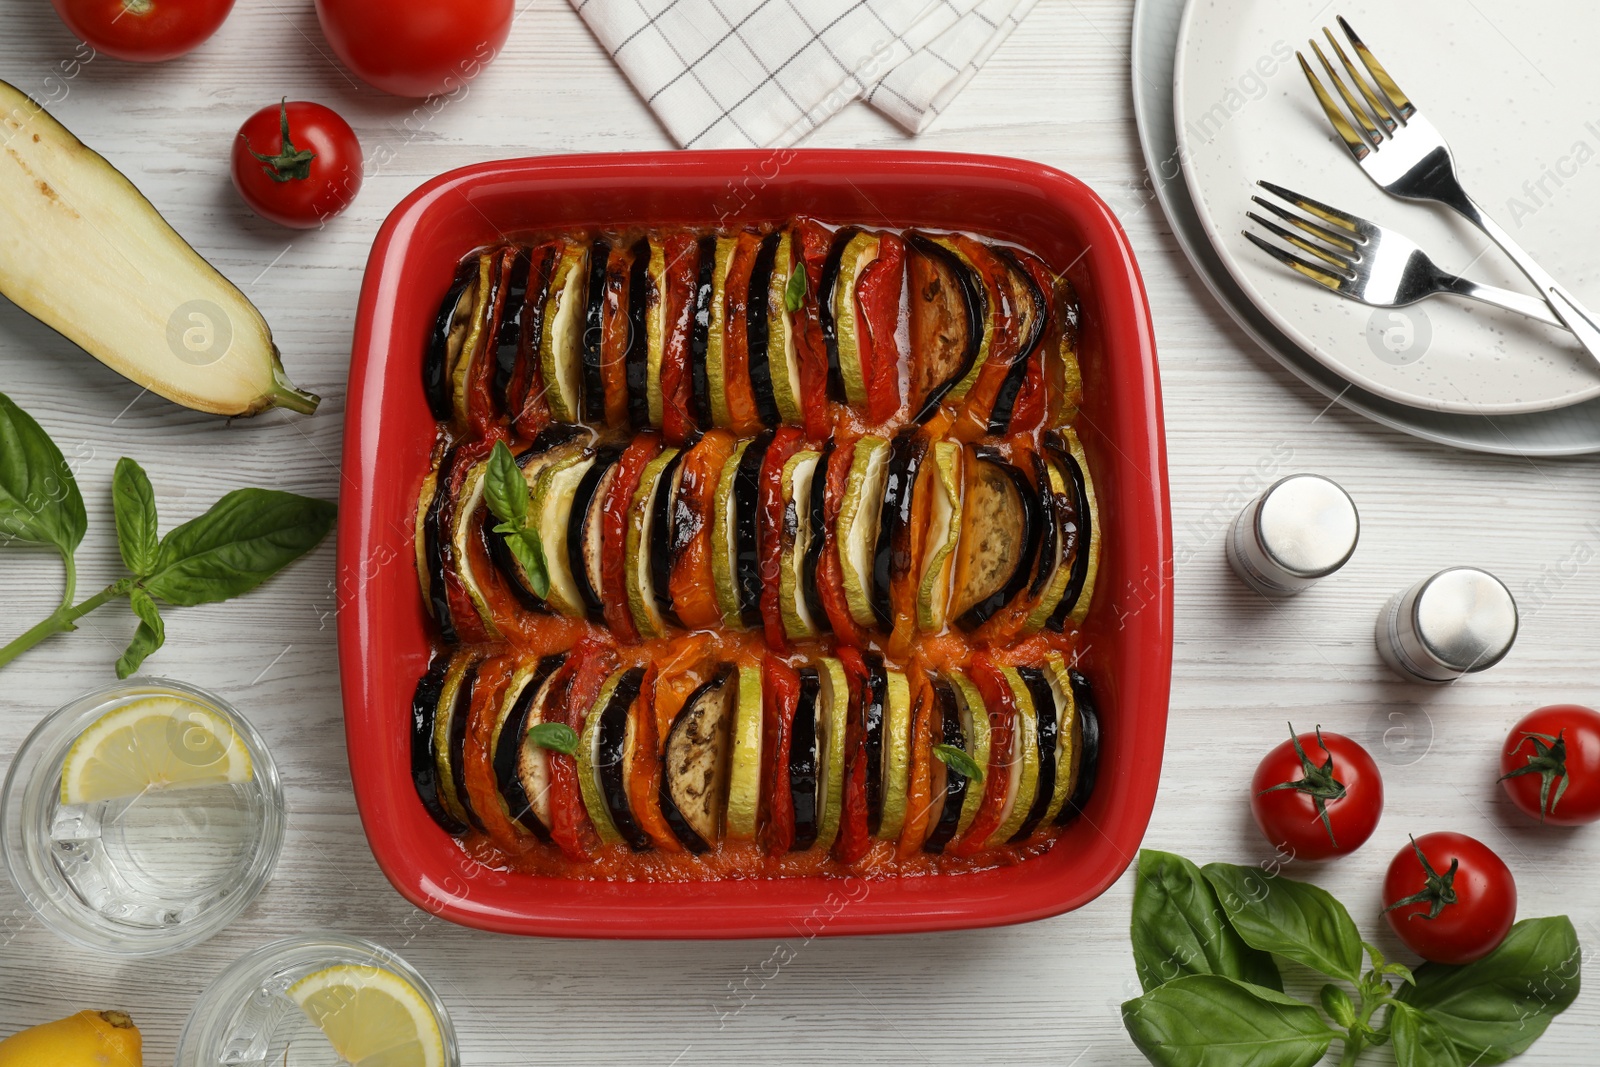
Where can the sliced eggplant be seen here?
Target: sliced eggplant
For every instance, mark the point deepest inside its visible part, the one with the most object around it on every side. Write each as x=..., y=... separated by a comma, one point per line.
x=508, y=335
x=1023, y=764
x=432, y=545
x=826, y=284
x=860, y=253
x=613, y=747
x=638, y=567
x=450, y=739
x=758, y=329
x=795, y=537
x=521, y=768
x=1086, y=765
x=1058, y=548
x=1045, y=483
x=815, y=515
x=945, y=819
x=1086, y=562
x=896, y=774
x=588, y=760
x=747, y=525
x=551, y=512
x=1068, y=733
x=1033, y=312
x=586, y=528
x=466, y=524
x=833, y=713
x=725, y=540
x=694, y=785
x=942, y=479
x=663, y=529
x=975, y=727
x=744, y=776
x=857, y=530
x=1047, y=740
x=892, y=557
x=805, y=758
x=594, y=386
x=999, y=538
x=783, y=354
x=449, y=333
x=700, y=335
x=424, y=760
x=947, y=312
x=530, y=327
x=874, y=706
x=561, y=343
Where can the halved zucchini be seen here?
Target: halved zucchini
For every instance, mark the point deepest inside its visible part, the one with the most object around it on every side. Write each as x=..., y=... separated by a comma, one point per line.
x=586, y=530
x=521, y=768
x=805, y=756
x=999, y=536
x=551, y=511
x=948, y=800
x=450, y=739
x=641, y=586
x=758, y=328
x=856, y=256
x=717, y=331
x=1047, y=741
x=947, y=315
x=424, y=759
x=594, y=388
x=943, y=480
x=1086, y=563
x=449, y=333
x=1024, y=762
x=857, y=530
x=466, y=523
x=724, y=541
x=797, y=476
x=694, y=782
x=896, y=754
x=975, y=728
x=894, y=555
x=833, y=713
x=561, y=345
x=744, y=778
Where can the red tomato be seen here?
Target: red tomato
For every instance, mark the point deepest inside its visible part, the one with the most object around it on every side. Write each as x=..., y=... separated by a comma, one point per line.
x=1449, y=898
x=1317, y=795
x=144, y=31
x=297, y=164
x=416, y=47
x=1550, y=765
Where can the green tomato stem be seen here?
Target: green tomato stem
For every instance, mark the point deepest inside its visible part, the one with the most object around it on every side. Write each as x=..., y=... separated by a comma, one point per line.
x=63, y=619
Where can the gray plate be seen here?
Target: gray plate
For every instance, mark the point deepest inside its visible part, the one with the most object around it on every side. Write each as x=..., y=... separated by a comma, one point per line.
x=1565, y=431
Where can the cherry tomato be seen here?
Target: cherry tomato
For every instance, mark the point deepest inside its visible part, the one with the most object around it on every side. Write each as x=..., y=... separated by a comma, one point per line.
x=297, y=164
x=144, y=31
x=1317, y=795
x=1449, y=898
x=416, y=47
x=1550, y=765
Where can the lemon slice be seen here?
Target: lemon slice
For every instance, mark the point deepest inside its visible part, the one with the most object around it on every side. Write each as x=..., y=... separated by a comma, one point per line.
x=371, y=1017
x=157, y=742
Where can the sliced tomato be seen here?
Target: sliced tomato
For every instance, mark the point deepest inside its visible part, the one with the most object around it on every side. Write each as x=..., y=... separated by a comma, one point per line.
x=615, y=329
x=644, y=784
x=830, y=572
x=613, y=567
x=780, y=697
x=769, y=539
x=1002, y=705
x=878, y=296
x=483, y=790
x=854, y=836
x=588, y=666
x=1028, y=414
x=743, y=414
x=525, y=399
x=972, y=422
x=682, y=272
x=811, y=250
x=482, y=406
x=919, y=783
x=694, y=595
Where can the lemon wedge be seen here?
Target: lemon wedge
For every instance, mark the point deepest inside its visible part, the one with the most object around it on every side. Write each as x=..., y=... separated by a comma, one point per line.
x=371, y=1017
x=157, y=742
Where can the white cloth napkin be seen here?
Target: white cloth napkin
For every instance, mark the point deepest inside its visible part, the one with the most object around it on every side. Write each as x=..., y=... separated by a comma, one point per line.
x=759, y=73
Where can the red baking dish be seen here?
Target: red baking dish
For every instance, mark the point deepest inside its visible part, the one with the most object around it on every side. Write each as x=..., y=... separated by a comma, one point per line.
x=383, y=632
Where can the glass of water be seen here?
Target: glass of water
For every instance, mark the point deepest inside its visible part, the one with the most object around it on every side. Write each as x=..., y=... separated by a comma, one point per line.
x=301, y=1003
x=141, y=818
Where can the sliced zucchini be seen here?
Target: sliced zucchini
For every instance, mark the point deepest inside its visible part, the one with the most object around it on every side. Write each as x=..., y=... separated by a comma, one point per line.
x=943, y=480
x=1032, y=309
x=724, y=541
x=975, y=727
x=594, y=386
x=805, y=756
x=744, y=778
x=424, y=745
x=655, y=326
x=783, y=357
x=1068, y=746
x=857, y=531
x=694, y=784
x=758, y=328
x=833, y=713
x=1023, y=765
x=948, y=800
x=1086, y=743
x=561, y=344
x=999, y=535
x=450, y=739
x=947, y=313
x=1057, y=553
x=816, y=515
x=747, y=526
x=1047, y=742
x=614, y=747
x=826, y=284
x=857, y=255
x=797, y=475
x=700, y=334
x=467, y=523
x=896, y=753
x=717, y=331
x=449, y=333
x=1086, y=563
x=588, y=758
x=586, y=530
x=551, y=511
x=637, y=568
x=521, y=768
x=892, y=557
x=479, y=334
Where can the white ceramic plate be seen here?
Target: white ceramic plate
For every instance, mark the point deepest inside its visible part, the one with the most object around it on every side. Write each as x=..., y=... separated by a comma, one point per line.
x=1565, y=431
x=1509, y=83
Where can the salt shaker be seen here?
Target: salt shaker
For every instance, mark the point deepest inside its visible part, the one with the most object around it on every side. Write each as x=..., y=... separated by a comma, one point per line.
x=1303, y=528
x=1460, y=621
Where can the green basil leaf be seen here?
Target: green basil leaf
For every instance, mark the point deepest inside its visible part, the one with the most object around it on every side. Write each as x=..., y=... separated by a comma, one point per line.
x=504, y=487
x=951, y=756
x=150, y=635
x=529, y=550
x=1208, y=1020
x=1180, y=929
x=1419, y=1039
x=1292, y=919
x=1496, y=1007
x=134, y=503
x=795, y=292
x=39, y=499
x=556, y=736
x=247, y=537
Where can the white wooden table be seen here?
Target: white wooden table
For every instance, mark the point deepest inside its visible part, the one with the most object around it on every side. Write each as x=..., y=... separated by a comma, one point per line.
x=1043, y=993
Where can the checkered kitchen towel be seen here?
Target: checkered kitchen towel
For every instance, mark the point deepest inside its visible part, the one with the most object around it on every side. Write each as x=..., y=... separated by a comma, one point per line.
x=756, y=73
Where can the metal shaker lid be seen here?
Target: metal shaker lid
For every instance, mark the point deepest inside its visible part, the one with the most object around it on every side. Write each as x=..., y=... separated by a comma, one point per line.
x=1465, y=619
x=1307, y=525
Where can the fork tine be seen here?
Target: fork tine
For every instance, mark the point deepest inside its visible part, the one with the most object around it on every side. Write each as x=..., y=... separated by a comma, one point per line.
x=1350, y=100
x=1331, y=215
x=1330, y=258
x=1398, y=101
x=1358, y=147
x=1295, y=263
x=1374, y=105
x=1321, y=233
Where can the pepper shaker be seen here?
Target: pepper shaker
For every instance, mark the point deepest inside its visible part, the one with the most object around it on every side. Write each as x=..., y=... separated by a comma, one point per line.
x=1302, y=529
x=1460, y=621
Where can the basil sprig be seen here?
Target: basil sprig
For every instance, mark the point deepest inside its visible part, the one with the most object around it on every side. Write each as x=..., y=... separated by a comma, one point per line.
x=245, y=538
x=1204, y=942
x=507, y=494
